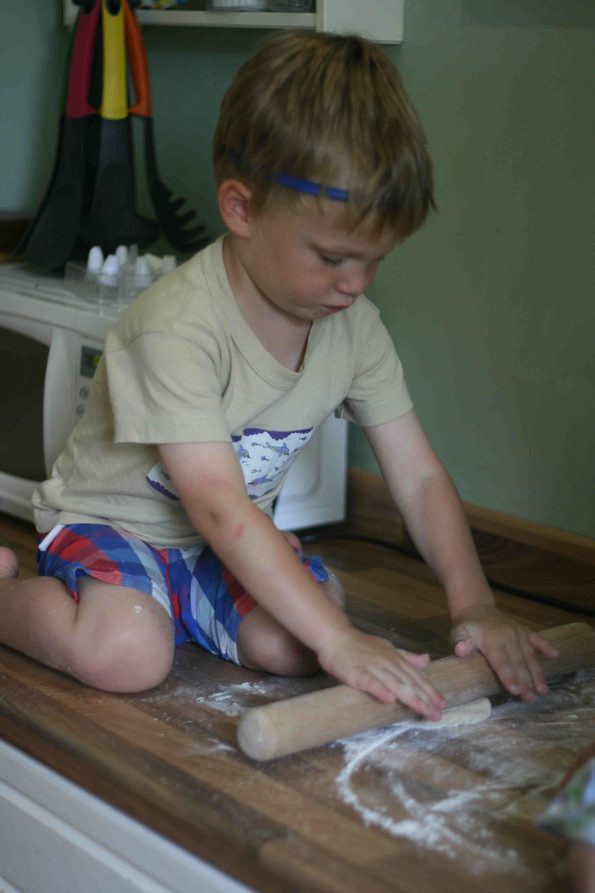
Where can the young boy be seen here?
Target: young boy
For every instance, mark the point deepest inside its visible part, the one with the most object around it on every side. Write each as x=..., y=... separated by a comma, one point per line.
x=219, y=373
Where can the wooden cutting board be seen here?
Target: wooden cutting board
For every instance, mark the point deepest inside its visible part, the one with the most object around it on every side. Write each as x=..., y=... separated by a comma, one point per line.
x=400, y=809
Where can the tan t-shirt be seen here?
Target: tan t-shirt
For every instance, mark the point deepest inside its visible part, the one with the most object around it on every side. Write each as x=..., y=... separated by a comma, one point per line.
x=182, y=365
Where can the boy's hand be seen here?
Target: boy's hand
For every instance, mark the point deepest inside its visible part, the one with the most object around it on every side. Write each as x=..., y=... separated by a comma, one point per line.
x=372, y=664
x=510, y=649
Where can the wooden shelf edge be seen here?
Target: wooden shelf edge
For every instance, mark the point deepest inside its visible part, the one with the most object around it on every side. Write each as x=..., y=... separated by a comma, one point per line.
x=199, y=19
x=525, y=559
x=371, y=512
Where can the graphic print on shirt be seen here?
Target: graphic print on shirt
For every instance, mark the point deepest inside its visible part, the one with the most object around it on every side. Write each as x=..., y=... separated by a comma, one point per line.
x=159, y=480
x=265, y=457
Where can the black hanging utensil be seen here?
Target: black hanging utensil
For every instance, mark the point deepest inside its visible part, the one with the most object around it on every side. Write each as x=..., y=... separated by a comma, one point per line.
x=167, y=208
x=51, y=237
x=113, y=219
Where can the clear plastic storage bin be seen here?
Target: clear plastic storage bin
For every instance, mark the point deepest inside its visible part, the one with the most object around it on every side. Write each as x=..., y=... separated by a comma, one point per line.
x=236, y=5
x=290, y=5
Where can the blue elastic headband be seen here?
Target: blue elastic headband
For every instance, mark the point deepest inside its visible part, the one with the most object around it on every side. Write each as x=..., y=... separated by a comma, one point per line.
x=310, y=188
x=289, y=181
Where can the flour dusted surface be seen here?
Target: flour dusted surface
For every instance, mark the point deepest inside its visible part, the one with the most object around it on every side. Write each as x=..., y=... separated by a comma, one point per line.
x=460, y=791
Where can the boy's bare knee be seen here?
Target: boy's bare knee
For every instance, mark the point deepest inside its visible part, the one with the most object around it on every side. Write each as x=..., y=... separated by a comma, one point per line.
x=263, y=644
x=290, y=658
x=129, y=654
x=122, y=662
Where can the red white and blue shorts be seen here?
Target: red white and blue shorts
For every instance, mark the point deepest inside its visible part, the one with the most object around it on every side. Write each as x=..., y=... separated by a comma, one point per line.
x=205, y=602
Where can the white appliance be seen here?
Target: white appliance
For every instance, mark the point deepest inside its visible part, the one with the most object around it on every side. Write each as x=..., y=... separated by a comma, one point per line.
x=51, y=339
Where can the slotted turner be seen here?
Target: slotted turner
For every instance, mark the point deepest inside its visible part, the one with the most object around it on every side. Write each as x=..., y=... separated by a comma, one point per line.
x=167, y=208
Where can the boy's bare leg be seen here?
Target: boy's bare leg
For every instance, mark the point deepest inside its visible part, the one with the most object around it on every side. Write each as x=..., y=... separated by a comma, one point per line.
x=263, y=644
x=114, y=638
x=9, y=564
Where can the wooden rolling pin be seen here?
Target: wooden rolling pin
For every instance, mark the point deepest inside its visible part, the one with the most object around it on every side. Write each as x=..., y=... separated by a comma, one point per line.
x=311, y=720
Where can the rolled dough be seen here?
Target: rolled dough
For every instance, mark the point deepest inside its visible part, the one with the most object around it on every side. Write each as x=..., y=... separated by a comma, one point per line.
x=463, y=715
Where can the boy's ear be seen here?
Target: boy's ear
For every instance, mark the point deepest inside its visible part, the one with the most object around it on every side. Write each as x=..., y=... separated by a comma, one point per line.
x=234, y=206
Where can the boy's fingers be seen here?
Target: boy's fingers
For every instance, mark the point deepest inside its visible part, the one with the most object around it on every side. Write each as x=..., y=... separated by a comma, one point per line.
x=400, y=681
x=401, y=671
x=430, y=705
x=416, y=681
x=542, y=645
x=503, y=667
x=465, y=647
x=372, y=664
x=514, y=658
x=534, y=668
x=530, y=645
x=413, y=689
x=433, y=698
x=519, y=670
x=386, y=687
x=505, y=659
x=523, y=682
x=463, y=640
x=417, y=660
x=373, y=686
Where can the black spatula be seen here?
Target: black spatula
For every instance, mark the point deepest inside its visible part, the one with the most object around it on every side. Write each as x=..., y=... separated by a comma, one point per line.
x=113, y=219
x=167, y=208
x=51, y=237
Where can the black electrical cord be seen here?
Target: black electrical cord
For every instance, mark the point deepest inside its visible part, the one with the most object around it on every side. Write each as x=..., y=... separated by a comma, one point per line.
x=551, y=602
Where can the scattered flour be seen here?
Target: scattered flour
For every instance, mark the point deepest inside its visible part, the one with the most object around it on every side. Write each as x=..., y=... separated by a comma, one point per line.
x=234, y=699
x=459, y=790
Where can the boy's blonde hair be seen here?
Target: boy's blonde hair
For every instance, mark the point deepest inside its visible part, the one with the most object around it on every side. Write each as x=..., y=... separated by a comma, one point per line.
x=331, y=111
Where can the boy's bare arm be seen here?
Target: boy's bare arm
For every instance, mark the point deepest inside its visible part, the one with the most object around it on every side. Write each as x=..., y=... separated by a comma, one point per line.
x=211, y=486
x=434, y=515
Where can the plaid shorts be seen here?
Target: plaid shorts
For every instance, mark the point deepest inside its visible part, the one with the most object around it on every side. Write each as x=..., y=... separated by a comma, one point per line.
x=205, y=602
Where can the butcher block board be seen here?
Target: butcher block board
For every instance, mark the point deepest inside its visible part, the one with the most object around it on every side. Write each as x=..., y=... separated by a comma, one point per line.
x=404, y=808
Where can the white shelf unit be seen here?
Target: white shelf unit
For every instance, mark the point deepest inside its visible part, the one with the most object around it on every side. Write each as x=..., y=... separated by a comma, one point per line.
x=379, y=20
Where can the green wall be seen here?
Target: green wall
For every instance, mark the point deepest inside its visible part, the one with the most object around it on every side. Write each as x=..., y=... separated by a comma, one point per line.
x=492, y=305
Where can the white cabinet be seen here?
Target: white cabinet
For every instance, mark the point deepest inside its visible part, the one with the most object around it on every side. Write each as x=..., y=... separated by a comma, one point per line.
x=379, y=20
x=57, y=838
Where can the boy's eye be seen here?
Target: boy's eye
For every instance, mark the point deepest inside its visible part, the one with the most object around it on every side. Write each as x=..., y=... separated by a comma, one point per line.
x=330, y=261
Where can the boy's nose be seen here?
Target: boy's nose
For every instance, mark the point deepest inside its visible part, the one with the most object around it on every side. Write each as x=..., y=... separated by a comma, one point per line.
x=352, y=284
